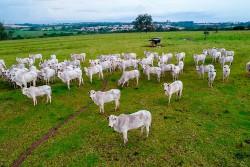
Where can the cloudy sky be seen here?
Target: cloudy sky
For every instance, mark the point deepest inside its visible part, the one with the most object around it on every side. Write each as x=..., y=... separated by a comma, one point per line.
x=58, y=11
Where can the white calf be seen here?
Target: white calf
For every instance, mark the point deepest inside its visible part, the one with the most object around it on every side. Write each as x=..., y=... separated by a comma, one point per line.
x=100, y=98
x=127, y=75
x=175, y=87
x=123, y=123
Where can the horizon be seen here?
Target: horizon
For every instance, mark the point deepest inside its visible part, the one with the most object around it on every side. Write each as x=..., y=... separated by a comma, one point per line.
x=60, y=11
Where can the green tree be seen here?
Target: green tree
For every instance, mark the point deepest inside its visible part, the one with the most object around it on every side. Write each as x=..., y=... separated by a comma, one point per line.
x=2, y=32
x=143, y=22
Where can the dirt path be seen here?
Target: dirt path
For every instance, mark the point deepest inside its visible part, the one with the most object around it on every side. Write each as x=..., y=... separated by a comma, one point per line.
x=45, y=137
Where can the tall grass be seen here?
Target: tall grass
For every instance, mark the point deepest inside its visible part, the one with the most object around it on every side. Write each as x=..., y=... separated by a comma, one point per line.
x=207, y=127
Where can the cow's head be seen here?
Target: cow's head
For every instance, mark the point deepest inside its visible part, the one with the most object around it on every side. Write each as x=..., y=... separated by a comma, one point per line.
x=25, y=91
x=112, y=120
x=92, y=94
x=166, y=86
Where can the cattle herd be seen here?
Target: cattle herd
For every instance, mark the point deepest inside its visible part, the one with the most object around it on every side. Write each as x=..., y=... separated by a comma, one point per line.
x=25, y=73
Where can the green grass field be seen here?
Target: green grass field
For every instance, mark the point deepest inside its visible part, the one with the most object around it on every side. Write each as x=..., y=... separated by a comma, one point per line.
x=207, y=127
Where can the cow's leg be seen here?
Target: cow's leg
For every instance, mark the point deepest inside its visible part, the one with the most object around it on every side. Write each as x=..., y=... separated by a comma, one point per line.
x=169, y=97
x=137, y=78
x=116, y=104
x=68, y=83
x=148, y=76
x=142, y=127
x=147, y=130
x=127, y=82
x=125, y=137
x=34, y=101
x=90, y=77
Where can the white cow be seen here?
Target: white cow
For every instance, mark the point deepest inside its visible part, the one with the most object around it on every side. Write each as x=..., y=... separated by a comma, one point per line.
x=80, y=56
x=224, y=59
x=248, y=67
x=22, y=78
x=106, y=65
x=175, y=72
x=211, y=77
x=197, y=58
x=123, y=123
x=146, y=61
x=36, y=56
x=180, y=56
x=100, y=98
x=48, y=73
x=32, y=92
x=226, y=72
x=181, y=65
x=67, y=75
x=202, y=69
x=152, y=70
x=93, y=70
x=165, y=67
x=127, y=75
x=123, y=64
x=128, y=56
x=228, y=53
x=175, y=87
x=22, y=60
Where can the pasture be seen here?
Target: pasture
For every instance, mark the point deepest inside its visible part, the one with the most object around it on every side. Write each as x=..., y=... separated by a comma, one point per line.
x=206, y=127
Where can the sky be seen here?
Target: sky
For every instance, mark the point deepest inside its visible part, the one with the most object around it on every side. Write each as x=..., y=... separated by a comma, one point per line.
x=72, y=11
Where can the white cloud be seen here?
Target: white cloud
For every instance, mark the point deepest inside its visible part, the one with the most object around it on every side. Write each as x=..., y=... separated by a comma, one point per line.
x=44, y=11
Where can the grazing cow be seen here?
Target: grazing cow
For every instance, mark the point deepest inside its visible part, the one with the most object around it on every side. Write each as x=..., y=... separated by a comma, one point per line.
x=175, y=87
x=127, y=75
x=80, y=56
x=32, y=92
x=215, y=55
x=211, y=77
x=226, y=72
x=248, y=67
x=100, y=98
x=67, y=75
x=123, y=64
x=202, y=69
x=36, y=56
x=123, y=123
x=152, y=70
x=93, y=70
x=224, y=59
